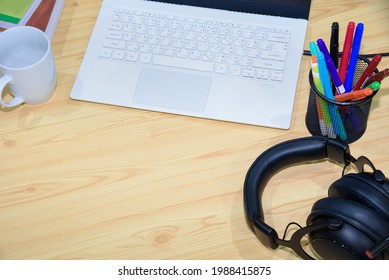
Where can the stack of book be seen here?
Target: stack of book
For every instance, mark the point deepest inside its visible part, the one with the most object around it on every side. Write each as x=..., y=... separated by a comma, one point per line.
x=43, y=14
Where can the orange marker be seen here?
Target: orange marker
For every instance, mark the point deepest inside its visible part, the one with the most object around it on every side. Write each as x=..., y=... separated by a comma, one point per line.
x=354, y=95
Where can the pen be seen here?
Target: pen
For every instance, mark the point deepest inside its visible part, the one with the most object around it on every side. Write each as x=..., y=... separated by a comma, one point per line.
x=313, y=48
x=334, y=43
x=331, y=67
x=348, y=84
x=374, y=86
x=314, y=67
x=368, y=71
x=322, y=108
x=319, y=103
x=354, y=95
x=337, y=123
x=315, y=70
x=378, y=77
x=346, y=51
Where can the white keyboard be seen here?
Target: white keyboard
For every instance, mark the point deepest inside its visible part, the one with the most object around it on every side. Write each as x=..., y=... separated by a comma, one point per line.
x=199, y=44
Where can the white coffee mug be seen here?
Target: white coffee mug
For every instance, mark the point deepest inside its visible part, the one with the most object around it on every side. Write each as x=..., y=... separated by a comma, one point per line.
x=27, y=66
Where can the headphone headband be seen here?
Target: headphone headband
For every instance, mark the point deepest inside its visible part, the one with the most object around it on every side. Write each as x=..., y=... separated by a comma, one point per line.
x=274, y=160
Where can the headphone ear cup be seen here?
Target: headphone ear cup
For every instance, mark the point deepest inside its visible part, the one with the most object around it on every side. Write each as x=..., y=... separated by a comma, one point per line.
x=360, y=229
x=363, y=189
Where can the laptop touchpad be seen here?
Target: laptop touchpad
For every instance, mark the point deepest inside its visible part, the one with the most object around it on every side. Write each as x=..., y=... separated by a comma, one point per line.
x=172, y=90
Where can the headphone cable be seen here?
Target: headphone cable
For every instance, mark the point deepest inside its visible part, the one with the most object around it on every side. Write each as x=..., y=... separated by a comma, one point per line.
x=287, y=228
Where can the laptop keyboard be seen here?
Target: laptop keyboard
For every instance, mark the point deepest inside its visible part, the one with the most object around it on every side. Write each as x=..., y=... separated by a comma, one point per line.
x=192, y=43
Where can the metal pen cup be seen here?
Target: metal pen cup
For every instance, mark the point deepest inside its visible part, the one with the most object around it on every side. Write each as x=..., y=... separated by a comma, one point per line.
x=351, y=124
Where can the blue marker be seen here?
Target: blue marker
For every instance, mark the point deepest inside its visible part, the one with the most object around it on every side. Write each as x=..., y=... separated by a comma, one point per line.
x=354, y=57
x=313, y=48
x=331, y=67
x=333, y=109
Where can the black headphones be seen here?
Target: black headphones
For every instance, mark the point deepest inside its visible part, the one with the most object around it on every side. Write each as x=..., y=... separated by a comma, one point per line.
x=351, y=223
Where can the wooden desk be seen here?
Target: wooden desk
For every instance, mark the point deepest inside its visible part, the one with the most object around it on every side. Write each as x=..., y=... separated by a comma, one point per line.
x=88, y=181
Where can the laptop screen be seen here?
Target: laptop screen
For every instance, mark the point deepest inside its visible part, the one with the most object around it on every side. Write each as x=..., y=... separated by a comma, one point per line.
x=283, y=8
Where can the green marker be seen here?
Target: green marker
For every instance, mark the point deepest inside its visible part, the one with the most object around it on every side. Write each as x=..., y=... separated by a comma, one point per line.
x=374, y=86
x=337, y=122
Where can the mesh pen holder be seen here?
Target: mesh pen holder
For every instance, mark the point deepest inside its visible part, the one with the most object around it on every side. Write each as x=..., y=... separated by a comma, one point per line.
x=344, y=121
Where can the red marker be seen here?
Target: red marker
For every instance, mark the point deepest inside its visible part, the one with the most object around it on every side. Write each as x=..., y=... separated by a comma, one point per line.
x=368, y=71
x=348, y=41
x=378, y=77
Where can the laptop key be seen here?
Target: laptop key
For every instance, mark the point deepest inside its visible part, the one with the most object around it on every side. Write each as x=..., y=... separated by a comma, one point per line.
x=105, y=52
x=183, y=63
x=269, y=64
x=280, y=56
x=118, y=54
x=275, y=37
x=115, y=44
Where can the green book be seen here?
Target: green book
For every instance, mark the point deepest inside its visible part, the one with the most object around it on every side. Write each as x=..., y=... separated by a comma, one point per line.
x=12, y=11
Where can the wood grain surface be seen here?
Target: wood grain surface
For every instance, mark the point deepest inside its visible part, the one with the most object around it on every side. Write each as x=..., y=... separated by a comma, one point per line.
x=87, y=181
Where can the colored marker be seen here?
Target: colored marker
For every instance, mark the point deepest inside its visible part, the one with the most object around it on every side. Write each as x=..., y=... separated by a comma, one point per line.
x=319, y=104
x=374, y=86
x=368, y=71
x=348, y=84
x=346, y=51
x=315, y=69
x=334, y=44
x=334, y=113
x=322, y=108
x=378, y=77
x=313, y=48
x=354, y=95
x=331, y=67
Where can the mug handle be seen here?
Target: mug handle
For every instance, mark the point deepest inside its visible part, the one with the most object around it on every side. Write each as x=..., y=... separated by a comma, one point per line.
x=15, y=101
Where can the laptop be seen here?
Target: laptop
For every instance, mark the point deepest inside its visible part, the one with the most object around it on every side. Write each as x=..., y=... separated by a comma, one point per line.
x=228, y=60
